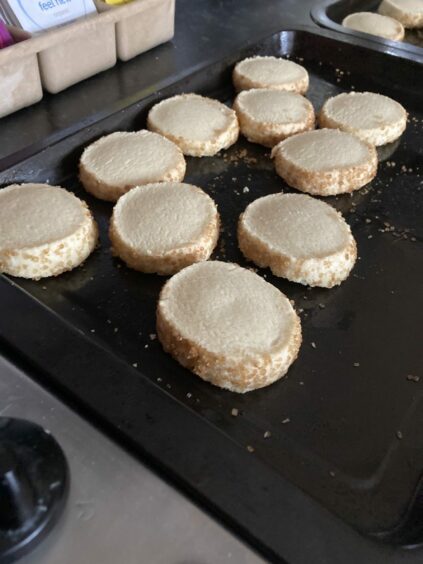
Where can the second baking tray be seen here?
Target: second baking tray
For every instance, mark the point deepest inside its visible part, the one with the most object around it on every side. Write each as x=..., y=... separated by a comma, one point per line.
x=330, y=13
x=346, y=424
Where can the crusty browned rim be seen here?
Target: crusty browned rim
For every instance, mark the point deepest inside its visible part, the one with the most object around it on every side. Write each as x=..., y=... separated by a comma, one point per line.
x=294, y=269
x=112, y=192
x=348, y=177
x=171, y=261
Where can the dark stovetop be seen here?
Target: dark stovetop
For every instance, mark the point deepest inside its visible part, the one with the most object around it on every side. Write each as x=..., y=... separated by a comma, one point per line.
x=205, y=30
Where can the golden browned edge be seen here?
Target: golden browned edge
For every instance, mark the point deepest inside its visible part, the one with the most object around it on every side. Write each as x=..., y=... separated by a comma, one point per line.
x=43, y=261
x=286, y=267
x=223, y=139
x=319, y=182
x=267, y=133
x=255, y=371
x=171, y=261
x=241, y=82
x=111, y=193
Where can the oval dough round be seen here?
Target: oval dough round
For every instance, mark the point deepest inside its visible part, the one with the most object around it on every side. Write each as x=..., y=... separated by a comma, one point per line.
x=44, y=230
x=228, y=326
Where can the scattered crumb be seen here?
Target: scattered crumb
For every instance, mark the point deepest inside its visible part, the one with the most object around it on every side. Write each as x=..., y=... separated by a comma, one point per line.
x=234, y=412
x=146, y=346
x=356, y=364
x=301, y=383
x=44, y=287
x=153, y=336
x=267, y=434
x=250, y=448
x=322, y=306
x=116, y=329
x=331, y=473
x=313, y=344
x=189, y=395
x=109, y=321
x=92, y=330
x=245, y=189
x=413, y=378
x=287, y=419
x=159, y=379
x=168, y=386
x=399, y=435
x=135, y=364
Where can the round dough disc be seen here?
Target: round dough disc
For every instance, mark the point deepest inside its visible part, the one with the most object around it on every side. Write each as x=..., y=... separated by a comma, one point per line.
x=408, y=12
x=270, y=72
x=325, y=162
x=299, y=238
x=44, y=230
x=164, y=227
x=269, y=116
x=375, y=24
x=117, y=162
x=200, y=126
x=373, y=118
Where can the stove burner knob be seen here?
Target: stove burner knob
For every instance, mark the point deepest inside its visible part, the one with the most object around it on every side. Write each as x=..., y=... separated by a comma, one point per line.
x=34, y=482
x=17, y=498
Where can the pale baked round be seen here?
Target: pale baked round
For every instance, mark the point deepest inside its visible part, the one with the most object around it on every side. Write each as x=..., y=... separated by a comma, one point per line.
x=44, y=230
x=375, y=24
x=373, y=118
x=269, y=116
x=117, y=162
x=164, y=227
x=408, y=12
x=299, y=238
x=270, y=72
x=200, y=126
x=228, y=326
x=325, y=162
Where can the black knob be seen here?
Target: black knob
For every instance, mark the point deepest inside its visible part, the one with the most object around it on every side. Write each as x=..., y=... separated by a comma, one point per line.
x=17, y=498
x=34, y=483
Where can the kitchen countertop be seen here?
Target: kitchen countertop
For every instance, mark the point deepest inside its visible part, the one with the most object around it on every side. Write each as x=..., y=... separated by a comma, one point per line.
x=114, y=498
x=205, y=30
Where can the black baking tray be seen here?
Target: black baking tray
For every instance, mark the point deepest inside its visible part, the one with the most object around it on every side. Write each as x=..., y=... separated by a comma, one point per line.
x=339, y=481
x=330, y=13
